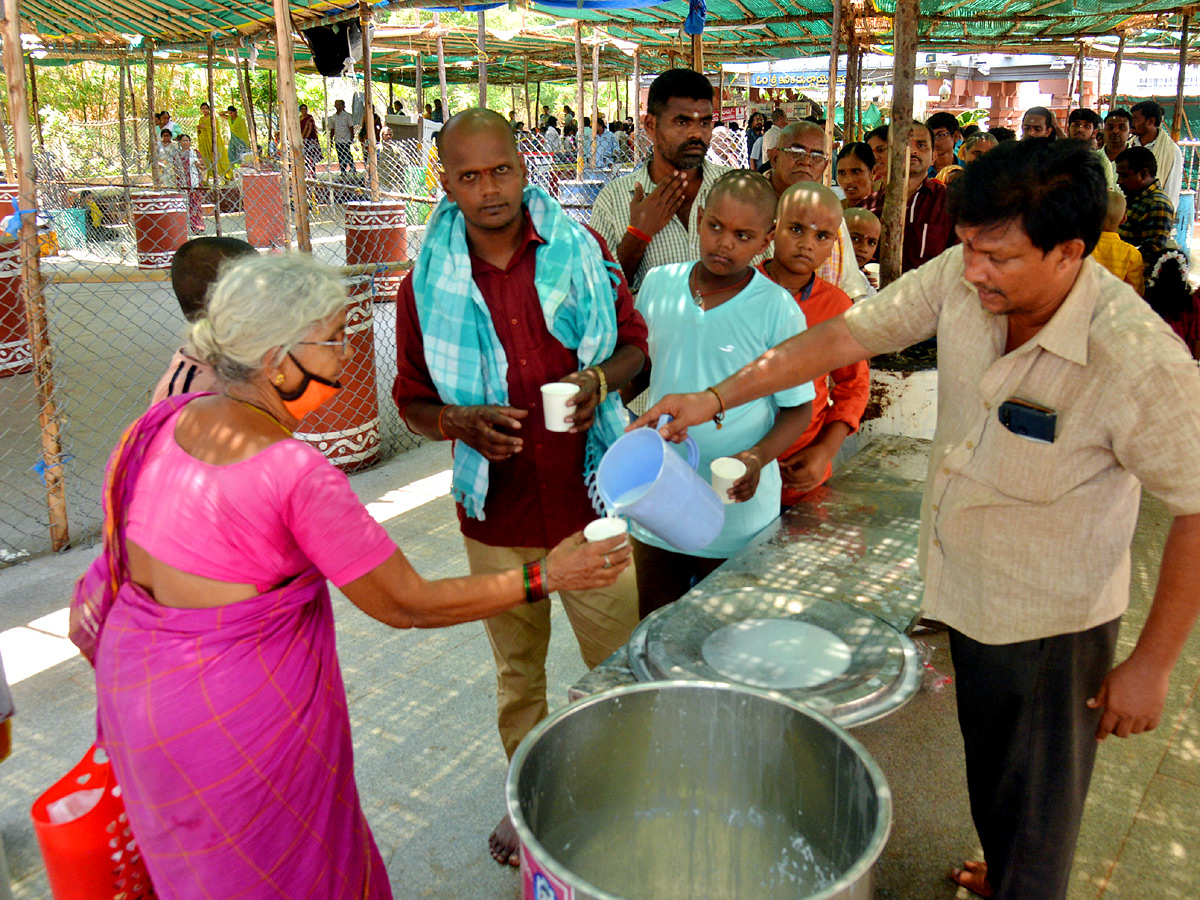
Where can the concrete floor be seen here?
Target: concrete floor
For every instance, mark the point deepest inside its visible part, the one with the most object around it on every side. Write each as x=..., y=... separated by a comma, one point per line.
x=430, y=766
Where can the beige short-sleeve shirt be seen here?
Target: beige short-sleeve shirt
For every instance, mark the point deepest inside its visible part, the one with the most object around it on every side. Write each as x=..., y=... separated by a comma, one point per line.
x=1023, y=540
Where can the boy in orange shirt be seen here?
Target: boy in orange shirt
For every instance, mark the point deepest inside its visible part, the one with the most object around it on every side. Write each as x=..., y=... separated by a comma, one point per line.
x=1120, y=257
x=806, y=232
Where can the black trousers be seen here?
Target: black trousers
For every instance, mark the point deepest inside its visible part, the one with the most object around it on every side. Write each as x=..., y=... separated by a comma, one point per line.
x=663, y=576
x=1030, y=744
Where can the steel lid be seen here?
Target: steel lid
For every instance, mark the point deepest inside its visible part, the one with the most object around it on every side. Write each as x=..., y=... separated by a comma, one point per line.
x=854, y=667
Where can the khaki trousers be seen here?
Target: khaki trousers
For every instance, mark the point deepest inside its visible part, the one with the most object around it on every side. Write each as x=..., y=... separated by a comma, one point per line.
x=602, y=620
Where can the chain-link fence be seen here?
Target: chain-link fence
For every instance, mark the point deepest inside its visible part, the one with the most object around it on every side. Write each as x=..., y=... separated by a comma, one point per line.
x=109, y=226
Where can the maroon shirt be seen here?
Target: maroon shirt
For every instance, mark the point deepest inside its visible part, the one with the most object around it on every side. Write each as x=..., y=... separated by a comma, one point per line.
x=928, y=229
x=536, y=497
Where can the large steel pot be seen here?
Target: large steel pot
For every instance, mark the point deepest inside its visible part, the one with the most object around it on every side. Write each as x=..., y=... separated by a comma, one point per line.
x=697, y=790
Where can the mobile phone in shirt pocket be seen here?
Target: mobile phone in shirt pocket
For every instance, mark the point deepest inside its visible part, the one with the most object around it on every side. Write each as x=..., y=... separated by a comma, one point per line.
x=1029, y=420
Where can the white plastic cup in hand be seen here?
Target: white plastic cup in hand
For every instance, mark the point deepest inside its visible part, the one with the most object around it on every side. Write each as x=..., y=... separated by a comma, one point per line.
x=603, y=529
x=554, y=404
x=725, y=471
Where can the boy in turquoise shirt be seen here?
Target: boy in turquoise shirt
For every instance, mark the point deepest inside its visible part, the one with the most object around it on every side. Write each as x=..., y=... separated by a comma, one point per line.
x=706, y=320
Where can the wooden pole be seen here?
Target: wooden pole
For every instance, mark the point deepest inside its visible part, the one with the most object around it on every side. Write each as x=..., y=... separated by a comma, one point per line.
x=10, y=174
x=835, y=27
x=482, y=61
x=248, y=94
x=212, y=123
x=364, y=21
x=124, y=148
x=529, y=122
x=636, y=102
x=698, y=52
x=904, y=72
x=1177, y=121
x=595, y=99
x=37, y=110
x=292, y=146
x=578, y=100
x=419, y=85
x=154, y=176
x=849, y=112
x=1082, y=66
x=271, y=107
x=31, y=282
x=133, y=113
x=441, y=54
x=1112, y=97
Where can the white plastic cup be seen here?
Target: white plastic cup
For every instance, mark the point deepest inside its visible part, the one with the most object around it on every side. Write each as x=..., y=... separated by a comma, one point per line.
x=603, y=529
x=554, y=404
x=725, y=471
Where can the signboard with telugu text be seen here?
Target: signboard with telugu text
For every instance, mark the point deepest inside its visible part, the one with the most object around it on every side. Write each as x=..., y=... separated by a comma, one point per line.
x=801, y=81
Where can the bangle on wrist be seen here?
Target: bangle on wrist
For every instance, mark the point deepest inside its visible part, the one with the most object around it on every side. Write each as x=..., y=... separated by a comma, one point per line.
x=534, y=578
x=639, y=234
x=603, y=382
x=441, y=427
x=720, y=414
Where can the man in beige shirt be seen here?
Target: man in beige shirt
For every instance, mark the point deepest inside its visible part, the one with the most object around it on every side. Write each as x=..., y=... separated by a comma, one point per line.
x=1025, y=544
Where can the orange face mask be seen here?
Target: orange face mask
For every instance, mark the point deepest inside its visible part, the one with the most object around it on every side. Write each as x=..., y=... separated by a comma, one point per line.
x=313, y=392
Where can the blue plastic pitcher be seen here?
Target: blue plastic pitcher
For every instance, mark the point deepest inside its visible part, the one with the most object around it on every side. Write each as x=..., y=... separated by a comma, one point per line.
x=642, y=477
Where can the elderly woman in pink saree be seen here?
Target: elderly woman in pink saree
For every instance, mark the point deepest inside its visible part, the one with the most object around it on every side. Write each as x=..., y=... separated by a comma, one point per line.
x=208, y=617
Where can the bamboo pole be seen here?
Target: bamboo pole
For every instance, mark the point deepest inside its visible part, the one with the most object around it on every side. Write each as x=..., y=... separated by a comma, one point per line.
x=441, y=55
x=835, y=28
x=291, y=144
x=904, y=71
x=249, y=95
x=124, y=144
x=150, y=146
x=31, y=283
x=1112, y=97
x=364, y=20
x=482, y=62
x=578, y=100
x=1177, y=121
x=37, y=111
x=595, y=100
x=212, y=123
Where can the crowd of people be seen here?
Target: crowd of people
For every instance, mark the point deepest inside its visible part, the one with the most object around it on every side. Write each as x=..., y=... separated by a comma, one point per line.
x=742, y=300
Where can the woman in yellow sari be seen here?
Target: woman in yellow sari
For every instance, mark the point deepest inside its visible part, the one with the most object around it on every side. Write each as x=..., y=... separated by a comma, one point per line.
x=204, y=142
x=239, y=137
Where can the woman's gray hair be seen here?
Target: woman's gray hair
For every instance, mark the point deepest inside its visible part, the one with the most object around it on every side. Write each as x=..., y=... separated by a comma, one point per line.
x=979, y=137
x=259, y=303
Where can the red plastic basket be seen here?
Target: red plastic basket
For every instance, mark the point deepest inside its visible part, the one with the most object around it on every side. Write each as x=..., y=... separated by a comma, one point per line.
x=94, y=857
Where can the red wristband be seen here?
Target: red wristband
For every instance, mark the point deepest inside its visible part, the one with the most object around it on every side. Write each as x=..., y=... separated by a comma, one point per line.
x=639, y=234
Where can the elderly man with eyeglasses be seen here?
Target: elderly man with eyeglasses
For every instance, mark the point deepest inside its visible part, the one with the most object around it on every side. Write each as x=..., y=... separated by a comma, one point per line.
x=928, y=228
x=801, y=155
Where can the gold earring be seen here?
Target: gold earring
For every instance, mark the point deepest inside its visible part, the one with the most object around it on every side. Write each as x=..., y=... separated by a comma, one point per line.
x=279, y=378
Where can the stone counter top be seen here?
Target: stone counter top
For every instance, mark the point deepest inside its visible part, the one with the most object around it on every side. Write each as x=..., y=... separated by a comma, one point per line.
x=856, y=543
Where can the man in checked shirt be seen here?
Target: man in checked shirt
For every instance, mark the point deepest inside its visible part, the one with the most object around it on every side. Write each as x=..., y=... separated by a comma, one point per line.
x=1149, y=216
x=1061, y=395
